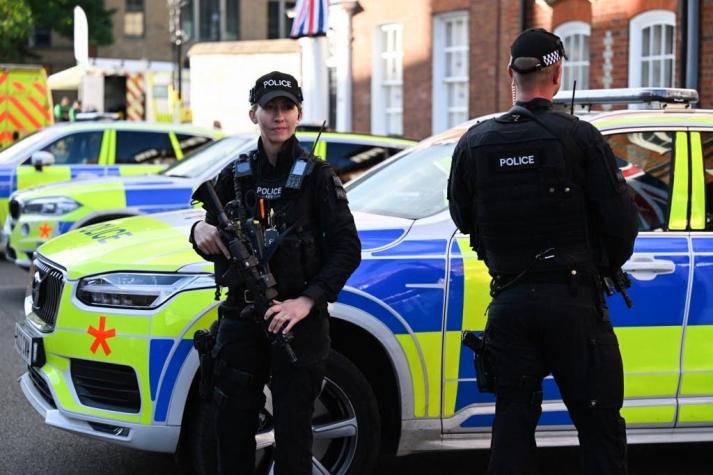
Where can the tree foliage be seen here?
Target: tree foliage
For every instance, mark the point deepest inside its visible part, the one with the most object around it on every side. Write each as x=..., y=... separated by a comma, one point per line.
x=58, y=15
x=15, y=25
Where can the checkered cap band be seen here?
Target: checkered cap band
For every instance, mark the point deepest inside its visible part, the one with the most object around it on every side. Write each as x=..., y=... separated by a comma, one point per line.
x=551, y=58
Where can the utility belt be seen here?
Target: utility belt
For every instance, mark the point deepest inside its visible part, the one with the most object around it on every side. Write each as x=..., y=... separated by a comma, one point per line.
x=573, y=277
x=559, y=276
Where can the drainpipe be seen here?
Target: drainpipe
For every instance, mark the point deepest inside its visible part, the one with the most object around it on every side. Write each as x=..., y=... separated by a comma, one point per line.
x=340, y=20
x=692, y=43
x=524, y=4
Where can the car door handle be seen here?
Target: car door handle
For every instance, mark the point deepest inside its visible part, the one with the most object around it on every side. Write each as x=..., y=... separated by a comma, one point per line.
x=647, y=268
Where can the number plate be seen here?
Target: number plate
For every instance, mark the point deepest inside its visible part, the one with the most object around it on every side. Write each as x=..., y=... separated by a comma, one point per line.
x=30, y=348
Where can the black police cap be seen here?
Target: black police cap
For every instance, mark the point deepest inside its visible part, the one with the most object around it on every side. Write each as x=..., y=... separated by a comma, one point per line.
x=275, y=84
x=540, y=46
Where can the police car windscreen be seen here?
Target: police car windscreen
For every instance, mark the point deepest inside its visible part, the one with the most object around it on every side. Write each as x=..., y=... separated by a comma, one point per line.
x=215, y=155
x=412, y=187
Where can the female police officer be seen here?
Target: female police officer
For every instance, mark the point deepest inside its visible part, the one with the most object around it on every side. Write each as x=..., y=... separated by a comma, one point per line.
x=301, y=197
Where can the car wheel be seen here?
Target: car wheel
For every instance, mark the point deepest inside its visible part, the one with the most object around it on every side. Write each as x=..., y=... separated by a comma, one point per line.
x=345, y=425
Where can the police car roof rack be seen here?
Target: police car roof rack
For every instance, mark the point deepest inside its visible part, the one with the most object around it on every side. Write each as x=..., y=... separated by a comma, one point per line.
x=641, y=95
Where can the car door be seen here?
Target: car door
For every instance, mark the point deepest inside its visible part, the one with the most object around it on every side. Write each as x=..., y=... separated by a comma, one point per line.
x=650, y=334
x=696, y=390
x=655, y=164
x=76, y=155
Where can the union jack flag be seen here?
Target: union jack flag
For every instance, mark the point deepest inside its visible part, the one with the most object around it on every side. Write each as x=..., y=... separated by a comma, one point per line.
x=310, y=18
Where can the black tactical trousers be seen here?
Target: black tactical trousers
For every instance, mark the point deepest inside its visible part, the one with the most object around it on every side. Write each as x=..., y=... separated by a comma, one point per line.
x=535, y=329
x=248, y=362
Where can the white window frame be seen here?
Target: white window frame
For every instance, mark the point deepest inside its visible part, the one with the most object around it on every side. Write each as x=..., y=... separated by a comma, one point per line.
x=572, y=28
x=441, y=109
x=379, y=110
x=636, y=28
x=222, y=9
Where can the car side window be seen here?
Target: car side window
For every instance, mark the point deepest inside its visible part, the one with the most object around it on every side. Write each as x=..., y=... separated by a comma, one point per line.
x=189, y=143
x=81, y=148
x=143, y=148
x=645, y=159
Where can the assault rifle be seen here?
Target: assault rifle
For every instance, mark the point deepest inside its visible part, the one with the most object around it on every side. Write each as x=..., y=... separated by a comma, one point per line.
x=246, y=242
x=618, y=281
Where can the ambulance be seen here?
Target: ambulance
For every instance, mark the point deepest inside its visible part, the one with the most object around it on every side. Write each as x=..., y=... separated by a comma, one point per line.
x=25, y=101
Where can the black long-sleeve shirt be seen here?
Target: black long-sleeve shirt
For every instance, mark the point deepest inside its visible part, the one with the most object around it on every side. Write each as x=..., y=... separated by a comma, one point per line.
x=332, y=225
x=341, y=245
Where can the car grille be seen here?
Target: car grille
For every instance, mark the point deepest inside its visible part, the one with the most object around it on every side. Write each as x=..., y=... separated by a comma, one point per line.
x=41, y=385
x=15, y=209
x=106, y=386
x=47, y=286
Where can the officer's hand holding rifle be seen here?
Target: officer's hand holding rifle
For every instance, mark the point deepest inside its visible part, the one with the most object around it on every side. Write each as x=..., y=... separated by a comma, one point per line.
x=246, y=248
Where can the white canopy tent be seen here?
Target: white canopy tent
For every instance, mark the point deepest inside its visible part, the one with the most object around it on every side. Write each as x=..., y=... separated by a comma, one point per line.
x=66, y=80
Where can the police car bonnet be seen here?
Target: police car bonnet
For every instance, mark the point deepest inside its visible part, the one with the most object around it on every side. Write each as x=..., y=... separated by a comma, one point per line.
x=275, y=84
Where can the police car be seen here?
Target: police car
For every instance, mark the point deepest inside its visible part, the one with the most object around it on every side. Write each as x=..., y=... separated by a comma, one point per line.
x=73, y=150
x=42, y=213
x=113, y=307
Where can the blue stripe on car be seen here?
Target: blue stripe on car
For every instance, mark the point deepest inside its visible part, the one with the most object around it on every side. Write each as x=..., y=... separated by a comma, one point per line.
x=376, y=309
x=548, y=418
x=468, y=392
x=416, y=247
x=374, y=239
x=169, y=379
x=702, y=292
x=158, y=352
x=78, y=171
x=412, y=287
x=158, y=196
x=456, y=283
x=65, y=226
x=8, y=182
x=664, y=245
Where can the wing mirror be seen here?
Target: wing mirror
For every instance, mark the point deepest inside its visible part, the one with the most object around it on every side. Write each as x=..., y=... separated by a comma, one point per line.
x=41, y=159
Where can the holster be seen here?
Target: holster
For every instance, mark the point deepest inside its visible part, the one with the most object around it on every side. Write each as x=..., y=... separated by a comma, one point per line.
x=484, y=371
x=204, y=343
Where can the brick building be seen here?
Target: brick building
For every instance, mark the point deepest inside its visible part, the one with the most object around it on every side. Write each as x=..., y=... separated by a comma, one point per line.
x=421, y=66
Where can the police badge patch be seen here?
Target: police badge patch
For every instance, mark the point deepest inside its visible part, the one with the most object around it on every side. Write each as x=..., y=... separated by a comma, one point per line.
x=515, y=161
x=269, y=192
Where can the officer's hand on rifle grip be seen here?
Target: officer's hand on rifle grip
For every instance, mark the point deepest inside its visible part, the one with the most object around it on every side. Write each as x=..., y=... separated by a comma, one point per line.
x=207, y=239
x=285, y=315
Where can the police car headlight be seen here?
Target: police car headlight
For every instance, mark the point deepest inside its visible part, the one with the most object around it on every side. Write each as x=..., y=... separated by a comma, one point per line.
x=138, y=290
x=51, y=206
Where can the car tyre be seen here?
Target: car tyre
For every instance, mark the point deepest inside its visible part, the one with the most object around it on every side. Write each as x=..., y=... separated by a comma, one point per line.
x=347, y=429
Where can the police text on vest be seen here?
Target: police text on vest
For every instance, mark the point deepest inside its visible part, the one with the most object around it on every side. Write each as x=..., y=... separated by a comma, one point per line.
x=516, y=161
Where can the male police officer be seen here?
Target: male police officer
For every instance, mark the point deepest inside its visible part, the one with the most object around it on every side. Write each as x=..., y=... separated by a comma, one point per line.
x=547, y=209
x=302, y=198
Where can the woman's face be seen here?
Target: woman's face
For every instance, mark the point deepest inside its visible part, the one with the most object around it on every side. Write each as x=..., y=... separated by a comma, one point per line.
x=277, y=120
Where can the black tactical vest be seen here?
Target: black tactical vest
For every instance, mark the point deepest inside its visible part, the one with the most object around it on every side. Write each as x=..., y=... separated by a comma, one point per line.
x=290, y=203
x=529, y=198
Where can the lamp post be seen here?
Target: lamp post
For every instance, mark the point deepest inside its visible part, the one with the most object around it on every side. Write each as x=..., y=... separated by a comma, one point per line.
x=177, y=38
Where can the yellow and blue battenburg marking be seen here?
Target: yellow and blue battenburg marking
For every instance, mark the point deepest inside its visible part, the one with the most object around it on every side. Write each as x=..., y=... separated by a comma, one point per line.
x=395, y=282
